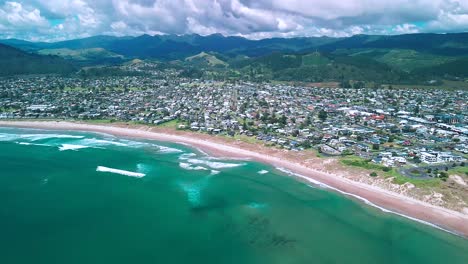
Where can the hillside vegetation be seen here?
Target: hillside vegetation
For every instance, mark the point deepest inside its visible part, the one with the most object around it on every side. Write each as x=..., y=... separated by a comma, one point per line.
x=17, y=62
x=402, y=59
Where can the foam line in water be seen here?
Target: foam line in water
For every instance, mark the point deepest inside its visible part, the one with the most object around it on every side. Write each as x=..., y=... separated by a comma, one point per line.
x=32, y=144
x=35, y=137
x=188, y=166
x=214, y=172
x=71, y=147
x=186, y=156
x=121, y=172
x=214, y=164
x=91, y=142
x=363, y=200
x=168, y=150
x=8, y=137
x=263, y=172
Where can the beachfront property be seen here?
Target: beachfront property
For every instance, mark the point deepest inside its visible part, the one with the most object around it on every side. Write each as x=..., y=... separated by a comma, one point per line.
x=389, y=127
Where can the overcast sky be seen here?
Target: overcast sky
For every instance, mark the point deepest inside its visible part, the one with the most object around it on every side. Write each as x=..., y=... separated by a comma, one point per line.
x=52, y=20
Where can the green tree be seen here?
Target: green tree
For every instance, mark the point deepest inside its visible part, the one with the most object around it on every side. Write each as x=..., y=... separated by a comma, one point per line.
x=416, y=110
x=323, y=115
x=283, y=120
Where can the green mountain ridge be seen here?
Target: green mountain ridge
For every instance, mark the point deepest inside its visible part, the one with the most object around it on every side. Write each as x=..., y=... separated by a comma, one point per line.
x=408, y=58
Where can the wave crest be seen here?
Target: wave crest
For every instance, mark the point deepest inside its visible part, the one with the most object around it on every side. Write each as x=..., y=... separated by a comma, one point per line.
x=121, y=172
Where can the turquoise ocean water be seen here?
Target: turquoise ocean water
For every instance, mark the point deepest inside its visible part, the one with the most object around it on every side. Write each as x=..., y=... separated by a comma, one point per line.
x=72, y=197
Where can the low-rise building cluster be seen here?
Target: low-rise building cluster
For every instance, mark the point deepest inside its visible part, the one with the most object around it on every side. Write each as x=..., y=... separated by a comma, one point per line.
x=392, y=127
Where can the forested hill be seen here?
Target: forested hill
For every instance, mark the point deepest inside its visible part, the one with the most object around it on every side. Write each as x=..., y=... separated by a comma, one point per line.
x=17, y=62
x=410, y=58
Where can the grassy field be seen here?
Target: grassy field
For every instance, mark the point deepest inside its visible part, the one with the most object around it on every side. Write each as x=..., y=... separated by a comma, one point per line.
x=381, y=171
x=102, y=121
x=462, y=171
x=247, y=139
x=171, y=124
x=362, y=163
x=447, y=84
x=409, y=60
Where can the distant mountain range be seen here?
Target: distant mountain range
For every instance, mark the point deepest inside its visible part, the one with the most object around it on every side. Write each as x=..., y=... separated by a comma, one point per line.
x=401, y=58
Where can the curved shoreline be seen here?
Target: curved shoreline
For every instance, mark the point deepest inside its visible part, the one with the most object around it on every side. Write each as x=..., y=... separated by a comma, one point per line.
x=411, y=208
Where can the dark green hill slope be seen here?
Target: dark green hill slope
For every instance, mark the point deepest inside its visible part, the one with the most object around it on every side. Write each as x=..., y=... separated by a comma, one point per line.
x=15, y=62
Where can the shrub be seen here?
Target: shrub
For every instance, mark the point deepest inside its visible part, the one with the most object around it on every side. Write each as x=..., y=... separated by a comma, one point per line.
x=443, y=175
x=386, y=169
x=373, y=174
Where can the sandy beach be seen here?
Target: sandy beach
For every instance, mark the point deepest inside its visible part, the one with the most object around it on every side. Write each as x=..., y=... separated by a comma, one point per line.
x=444, y=218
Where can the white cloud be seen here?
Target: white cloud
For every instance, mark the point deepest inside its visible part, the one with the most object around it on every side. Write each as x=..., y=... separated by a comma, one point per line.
x=15, y=15
x=249, y=18
x=406, y=29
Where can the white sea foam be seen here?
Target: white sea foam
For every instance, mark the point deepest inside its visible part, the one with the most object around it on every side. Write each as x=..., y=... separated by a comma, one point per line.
x=164, y=149
x=303, y=177
x=214, y=172
x=362, y=199
x=263, y=172
x=35, y=137
x=92, y=142
x=188, y=166
x=71, y=147
x=121, y=172
x=214, y=164
x=8, y=137
x=137, y=144
x=32, y=144
x=186, y=156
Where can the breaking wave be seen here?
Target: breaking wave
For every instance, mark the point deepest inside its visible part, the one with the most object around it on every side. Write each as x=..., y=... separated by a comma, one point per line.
x=32, y=144
x=214, y=172
x=214, y=164
x=164, y=149
x=186, y=156
x=35, y=137
x=71, y=147
x=188, y=166
x=94, y=142
x=263, y=172
x=121, y=172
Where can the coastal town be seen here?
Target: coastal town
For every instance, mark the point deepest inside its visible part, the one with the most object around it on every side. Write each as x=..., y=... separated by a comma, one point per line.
x=421, y=132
